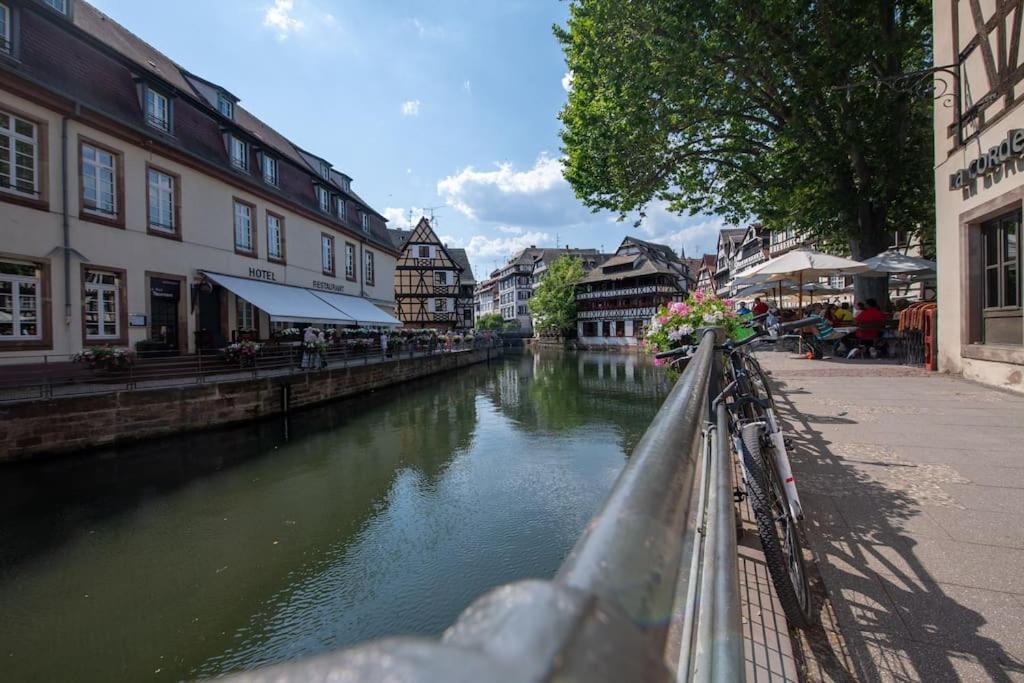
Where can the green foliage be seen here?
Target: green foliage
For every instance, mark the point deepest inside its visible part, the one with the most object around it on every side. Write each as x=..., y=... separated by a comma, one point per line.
x=553, y=304
x=738, y=108
x=491, y=322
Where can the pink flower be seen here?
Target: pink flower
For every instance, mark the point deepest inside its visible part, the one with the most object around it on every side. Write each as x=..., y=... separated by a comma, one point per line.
x=679, y=308
x=658, y=362
x=729, y=303
x=654, y=347
x=698, y=296
x=663, y=319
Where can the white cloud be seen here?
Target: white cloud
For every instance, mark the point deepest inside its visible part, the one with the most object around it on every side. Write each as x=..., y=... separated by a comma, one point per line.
x=510, y=229
x=536, y=197
x=399, y=217
x=567, y=81
x=279, y=16
x=486, y=251
x=411, y=108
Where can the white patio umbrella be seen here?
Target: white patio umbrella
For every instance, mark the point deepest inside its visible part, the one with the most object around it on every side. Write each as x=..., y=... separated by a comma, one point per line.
x=802, y=264
x=889, y=262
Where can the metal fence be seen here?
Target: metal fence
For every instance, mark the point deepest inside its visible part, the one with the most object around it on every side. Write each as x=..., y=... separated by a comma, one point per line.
x=649, y=593
x=36, y=376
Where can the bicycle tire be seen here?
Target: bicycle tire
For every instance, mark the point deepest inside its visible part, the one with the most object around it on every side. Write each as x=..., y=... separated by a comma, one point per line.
x=753, y=367
x=769, y=506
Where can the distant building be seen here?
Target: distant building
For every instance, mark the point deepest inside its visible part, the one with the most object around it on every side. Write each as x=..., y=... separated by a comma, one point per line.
x=589, y=258
x=485, y=297
x=465, y=302
x=617, y=299
x=729, y=240
x=706, y=274
x=428, y=280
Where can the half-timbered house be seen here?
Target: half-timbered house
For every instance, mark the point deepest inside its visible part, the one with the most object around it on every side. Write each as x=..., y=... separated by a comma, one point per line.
x=427, y=280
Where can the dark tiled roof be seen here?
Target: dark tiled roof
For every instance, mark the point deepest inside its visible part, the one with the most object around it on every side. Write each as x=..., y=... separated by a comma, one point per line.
x=461, y=259
x=399, y=238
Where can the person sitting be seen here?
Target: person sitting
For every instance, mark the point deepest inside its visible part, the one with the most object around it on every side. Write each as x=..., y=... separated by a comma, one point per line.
x=760, y=307
x=858, y=308
x=742, y=309
x=843, y=315
x=870, y=324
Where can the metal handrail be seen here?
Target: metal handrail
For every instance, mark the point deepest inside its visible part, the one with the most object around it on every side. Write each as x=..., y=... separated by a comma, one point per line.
x=645, y=576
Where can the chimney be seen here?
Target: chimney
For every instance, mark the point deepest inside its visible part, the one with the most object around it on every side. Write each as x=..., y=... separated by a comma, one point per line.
x=533, y=246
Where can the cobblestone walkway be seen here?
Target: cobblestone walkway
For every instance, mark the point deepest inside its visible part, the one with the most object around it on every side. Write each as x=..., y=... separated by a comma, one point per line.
x=913, y=486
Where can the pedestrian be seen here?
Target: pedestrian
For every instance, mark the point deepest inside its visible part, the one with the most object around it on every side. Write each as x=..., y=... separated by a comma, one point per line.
x=308, y=348
x=321, y=349
x=384, y=344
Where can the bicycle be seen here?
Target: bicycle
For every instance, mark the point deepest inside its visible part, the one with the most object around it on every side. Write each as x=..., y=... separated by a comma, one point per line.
x=758, y=440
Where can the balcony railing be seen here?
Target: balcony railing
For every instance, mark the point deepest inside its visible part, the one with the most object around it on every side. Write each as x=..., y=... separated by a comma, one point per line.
x=785, y=245
x=618, y=313
x=631, y=291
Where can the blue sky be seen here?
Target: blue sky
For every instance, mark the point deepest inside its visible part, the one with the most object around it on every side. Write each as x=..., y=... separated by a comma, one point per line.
x=447, y=103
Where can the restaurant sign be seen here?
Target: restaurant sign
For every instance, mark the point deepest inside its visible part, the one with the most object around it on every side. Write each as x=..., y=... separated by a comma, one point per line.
x=1010, y=149
x=327, y=286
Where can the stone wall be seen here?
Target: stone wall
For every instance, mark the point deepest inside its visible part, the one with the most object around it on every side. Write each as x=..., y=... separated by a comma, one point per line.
x=73, y=423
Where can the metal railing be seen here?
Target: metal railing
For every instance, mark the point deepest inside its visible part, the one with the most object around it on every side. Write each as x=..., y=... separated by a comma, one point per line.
x=26, y=377
x=650, y=591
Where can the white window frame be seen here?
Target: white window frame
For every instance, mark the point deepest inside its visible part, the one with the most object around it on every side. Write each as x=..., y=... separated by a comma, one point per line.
x=327, y=254
x=270, y=170
x=339, y=205
x=368, y=274
x=325, y=170
x=5, y=29
x=275, y=237
x=245, y=312
x=364, y=221
x=57, y=5
x=350, y=261
x=11, y=157
x=16, y=306
x=160, y=187
x=153, y=100
x=103, y=331
x=94, y=168
x=243, y=221
x=323, y=198
x=225, y=106
x=238, y=151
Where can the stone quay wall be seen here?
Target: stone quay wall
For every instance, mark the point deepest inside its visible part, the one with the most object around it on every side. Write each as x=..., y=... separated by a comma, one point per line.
x=66, y=424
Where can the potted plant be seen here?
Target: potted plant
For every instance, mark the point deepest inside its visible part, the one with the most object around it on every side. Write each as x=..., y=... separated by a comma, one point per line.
x=105, y=357
x=244, y=353
x=674, y=324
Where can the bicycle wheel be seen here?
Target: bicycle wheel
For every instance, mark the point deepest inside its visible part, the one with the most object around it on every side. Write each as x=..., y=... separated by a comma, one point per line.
x=758, y=378
x=778, y=532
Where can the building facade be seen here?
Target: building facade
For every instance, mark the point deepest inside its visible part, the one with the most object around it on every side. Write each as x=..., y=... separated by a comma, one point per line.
x=142, y=203
x=465, y=303
x=485, y=297
x=979, y=186
x=428, y=280
x=725, y=262
x=706, y=274
x=616, y=300
x=589, y=259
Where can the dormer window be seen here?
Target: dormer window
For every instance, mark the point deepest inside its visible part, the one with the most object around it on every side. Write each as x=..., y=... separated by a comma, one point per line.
x=269, y=165
x=5, y=29
x=59, y=5
x=158, y=110
x=364, y=221
x=239, y=152
x=323, y=198
x=340, y=207
x=225, y=106
x=325, y=170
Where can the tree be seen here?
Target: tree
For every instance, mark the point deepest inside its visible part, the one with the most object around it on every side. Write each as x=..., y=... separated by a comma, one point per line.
x=748, y=109
x=492, y=322
x=553, y=304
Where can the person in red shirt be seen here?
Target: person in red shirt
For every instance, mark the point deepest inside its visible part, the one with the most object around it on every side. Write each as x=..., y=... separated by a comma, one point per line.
x=759, y=306
x=870, y=322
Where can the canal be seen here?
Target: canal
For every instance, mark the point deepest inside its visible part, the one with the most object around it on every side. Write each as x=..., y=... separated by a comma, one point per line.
x=383, y=515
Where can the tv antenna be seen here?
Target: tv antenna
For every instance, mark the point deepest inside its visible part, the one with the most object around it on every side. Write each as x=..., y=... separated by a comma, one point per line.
x=431, y=210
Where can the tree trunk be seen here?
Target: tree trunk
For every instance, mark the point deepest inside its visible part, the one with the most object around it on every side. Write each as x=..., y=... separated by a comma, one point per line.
x=874, y=240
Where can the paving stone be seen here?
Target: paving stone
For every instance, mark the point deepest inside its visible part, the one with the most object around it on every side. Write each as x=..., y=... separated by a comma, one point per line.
x=981, y=527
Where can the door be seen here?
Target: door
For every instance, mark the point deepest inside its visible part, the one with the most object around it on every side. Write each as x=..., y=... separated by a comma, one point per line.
x=209, y=335
x=164, y=300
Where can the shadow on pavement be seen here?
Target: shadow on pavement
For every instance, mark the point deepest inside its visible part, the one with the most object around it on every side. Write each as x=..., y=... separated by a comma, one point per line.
x=897, y=621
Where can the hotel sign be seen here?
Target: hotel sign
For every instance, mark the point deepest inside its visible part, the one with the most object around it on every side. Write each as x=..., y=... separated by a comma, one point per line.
x=262, y=274
x=1010, y=149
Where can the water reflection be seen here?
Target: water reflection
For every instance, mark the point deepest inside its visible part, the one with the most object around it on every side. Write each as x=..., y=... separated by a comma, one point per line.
x=384, y=515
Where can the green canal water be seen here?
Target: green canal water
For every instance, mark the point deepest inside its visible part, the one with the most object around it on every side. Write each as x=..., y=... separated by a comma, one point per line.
x=210, y=553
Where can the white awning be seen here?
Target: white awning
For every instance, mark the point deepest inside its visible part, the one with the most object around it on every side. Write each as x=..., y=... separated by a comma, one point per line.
x=362, y=310
x=283, y=302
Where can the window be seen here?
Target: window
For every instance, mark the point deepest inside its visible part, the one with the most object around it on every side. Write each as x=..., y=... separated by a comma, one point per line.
x=239, y=153
x=5, y=29
x=102, y=304
x=364, y=220
x=441, y=305
x=521, y=310
x=269, y=170
x=225, y=106
x=158, y=110
x=350, y=261
x=340, y=207
x=1002, y=284
x=245, y=315
x=275, y=237
x=440, y=277
x=59, y=5
x=325, y=170
x=19, y=153
x=99, y=180
x=162, y=201
x=20, y=301
x=243, y=228
x=327, y=253
x=424, y=251
x=368, y=268
x=323, y=198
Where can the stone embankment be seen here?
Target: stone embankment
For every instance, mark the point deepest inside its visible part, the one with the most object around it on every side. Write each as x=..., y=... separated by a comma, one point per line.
x=65, y=424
